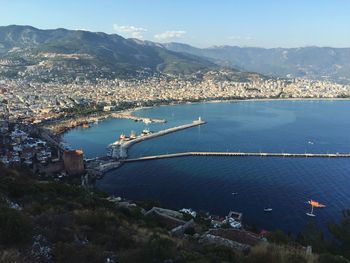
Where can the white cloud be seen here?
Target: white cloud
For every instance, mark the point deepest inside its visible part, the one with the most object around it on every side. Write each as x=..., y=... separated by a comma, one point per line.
x=171, y=34
x=135, y=32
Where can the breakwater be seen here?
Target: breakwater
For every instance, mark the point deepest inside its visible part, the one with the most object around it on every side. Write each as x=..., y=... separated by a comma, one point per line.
x=243, y=154
x=119, y=148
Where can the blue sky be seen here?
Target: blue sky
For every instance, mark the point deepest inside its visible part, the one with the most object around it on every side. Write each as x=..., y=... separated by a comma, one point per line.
x=203, y=23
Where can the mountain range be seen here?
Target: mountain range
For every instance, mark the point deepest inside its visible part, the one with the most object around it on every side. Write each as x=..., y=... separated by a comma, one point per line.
x=69, y=55
x=310, y=62
x=59, y=51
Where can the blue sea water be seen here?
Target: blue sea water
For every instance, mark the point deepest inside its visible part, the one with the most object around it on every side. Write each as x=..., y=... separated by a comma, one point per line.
x=207, y=183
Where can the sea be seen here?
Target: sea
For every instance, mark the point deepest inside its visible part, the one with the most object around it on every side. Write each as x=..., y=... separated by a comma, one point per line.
x=207, y=183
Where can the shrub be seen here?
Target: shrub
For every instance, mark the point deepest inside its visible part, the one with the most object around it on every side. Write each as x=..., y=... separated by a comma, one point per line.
x=158, y=249
x=69, y=253
x=15, y=229
x=328, y=258
x=279, y=237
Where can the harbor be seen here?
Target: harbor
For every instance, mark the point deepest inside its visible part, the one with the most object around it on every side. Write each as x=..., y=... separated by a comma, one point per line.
x=246, y=154
x=118, y=150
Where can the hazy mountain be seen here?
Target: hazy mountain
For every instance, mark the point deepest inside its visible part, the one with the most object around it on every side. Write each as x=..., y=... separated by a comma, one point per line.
x=59, y=51
x=311, y=62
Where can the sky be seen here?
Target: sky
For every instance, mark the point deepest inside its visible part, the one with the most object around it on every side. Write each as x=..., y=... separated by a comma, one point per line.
x=202, y=23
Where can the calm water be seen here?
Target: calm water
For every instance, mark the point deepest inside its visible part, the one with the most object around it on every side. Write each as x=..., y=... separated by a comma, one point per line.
x=207, y=183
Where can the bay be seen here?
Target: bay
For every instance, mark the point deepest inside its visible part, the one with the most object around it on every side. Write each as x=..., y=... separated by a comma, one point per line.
x=207, y=183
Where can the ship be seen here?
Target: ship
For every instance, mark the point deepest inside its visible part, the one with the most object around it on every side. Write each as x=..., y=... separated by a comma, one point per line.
x=147, y=121
x=132, y=135
x=146, y=132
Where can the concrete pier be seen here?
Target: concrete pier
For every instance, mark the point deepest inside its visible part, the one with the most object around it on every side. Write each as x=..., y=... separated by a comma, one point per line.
x=130, y=116
x=120, y=148
x=242, y=154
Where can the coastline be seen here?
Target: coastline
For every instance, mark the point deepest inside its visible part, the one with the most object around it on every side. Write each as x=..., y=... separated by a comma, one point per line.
x=61, y=126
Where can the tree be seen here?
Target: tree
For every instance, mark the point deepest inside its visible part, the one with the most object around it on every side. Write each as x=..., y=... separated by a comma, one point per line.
x=341, y=232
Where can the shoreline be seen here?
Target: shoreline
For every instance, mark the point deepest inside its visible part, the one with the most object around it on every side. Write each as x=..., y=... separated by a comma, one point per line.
x=130, y=112
x=240, y=100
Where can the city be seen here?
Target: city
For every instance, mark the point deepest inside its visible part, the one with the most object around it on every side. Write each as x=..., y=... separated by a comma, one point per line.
x=34, y=102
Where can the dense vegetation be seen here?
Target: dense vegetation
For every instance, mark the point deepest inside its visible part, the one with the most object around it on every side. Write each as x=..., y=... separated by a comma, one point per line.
x=48, y=221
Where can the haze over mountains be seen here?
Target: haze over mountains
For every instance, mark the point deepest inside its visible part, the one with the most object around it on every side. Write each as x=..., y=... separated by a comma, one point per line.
x=311, y=62
x=46, y=54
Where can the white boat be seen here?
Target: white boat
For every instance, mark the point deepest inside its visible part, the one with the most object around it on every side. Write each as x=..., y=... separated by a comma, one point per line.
x=132, y=135
x=311, y=212
x=145, y=132
x=267, y=209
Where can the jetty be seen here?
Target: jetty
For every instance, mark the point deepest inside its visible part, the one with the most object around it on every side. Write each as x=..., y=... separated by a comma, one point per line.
x=239, y=154
x=130, y=116
x=119, y=148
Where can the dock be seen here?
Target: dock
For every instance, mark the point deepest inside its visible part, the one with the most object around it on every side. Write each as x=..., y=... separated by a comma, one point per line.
x=130, y=116
x=240, y=154
x=120, y=149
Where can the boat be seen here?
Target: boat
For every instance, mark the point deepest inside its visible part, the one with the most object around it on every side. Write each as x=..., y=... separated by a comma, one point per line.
x=145, y=132
x=234, y=193
x=311, y=212
x=133, y=135
x=267, y=209
x=316, y=204
x=147, y=121
x=85, y=126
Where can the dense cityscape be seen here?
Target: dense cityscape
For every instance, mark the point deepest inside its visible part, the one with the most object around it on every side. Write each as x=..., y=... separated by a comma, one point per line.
x=38, y=101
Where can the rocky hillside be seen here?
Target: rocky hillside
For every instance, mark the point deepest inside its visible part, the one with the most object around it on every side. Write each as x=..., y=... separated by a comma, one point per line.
x=44, y=220
x=77, y=53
